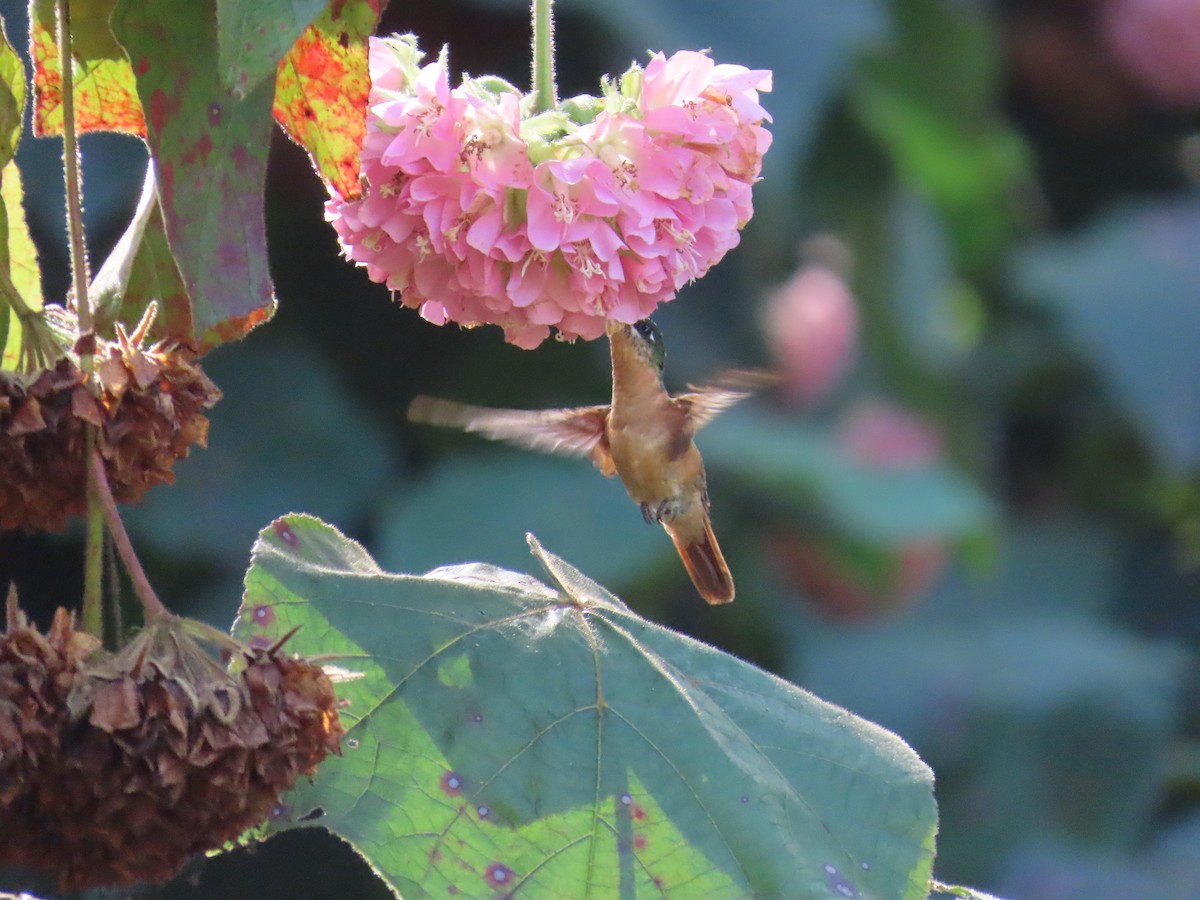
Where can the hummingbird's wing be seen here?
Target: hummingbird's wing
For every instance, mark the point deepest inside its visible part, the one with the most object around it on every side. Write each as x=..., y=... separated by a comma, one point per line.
x=704, y=403
x=567, y=432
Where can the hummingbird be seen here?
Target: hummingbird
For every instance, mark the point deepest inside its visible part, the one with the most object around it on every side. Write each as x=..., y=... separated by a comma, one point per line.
x=644, y=436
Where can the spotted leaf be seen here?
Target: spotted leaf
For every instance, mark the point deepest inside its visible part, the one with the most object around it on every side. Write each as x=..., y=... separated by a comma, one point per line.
x=209, y=146
x=254, y=35
x=509, y=737
x=322, y=88
x=106, y=96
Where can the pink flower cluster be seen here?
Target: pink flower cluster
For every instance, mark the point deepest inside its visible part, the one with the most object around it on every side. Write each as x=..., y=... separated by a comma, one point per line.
x=478, y=211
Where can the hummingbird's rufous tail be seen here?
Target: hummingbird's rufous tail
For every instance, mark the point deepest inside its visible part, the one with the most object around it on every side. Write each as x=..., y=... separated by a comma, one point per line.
x=702, y=558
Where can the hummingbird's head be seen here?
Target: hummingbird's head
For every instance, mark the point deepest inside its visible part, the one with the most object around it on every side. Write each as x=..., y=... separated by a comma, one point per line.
x=649, y=341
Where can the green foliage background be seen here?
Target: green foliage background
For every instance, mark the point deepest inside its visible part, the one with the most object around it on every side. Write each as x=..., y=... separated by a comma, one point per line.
x=1029, y=284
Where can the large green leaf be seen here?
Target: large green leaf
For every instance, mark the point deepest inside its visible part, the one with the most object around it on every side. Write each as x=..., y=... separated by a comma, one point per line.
x=209, y=146
x=1126, y=289
x=509, y=738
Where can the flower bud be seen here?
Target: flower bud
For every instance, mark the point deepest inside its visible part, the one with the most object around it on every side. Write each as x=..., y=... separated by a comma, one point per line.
x=811, y=328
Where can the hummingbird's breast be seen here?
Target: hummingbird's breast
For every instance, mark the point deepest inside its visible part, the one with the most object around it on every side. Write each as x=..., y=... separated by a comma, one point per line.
x=649, y=434
x=653, y=452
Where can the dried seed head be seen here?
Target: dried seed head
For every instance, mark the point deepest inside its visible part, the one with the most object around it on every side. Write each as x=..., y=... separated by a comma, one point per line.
x=162, y=753
x=37, y=673
x=147, y=404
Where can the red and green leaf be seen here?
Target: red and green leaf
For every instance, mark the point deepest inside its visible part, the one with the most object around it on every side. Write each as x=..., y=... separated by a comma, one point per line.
x=191, y=79
x=209, y=147
x=322, y=89
x=254, y=35
x=106, y=97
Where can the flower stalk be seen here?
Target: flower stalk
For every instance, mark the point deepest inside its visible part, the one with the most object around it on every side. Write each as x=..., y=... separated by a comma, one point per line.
x=543, y=56
x=108, y=505
x=93, y=560
x=74, y=184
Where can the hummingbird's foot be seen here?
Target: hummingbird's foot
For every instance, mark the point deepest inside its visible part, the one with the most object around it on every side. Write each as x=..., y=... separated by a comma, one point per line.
x=667, y=509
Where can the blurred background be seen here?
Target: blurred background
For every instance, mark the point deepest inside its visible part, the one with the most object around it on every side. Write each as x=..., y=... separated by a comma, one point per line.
x=972, y=511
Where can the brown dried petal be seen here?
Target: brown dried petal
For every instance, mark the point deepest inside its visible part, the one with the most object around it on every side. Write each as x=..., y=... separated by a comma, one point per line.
x=116, y=706
x=85, y=407
x=49, y=382
x=28, y=418
x=144, y=368
x=36, y=672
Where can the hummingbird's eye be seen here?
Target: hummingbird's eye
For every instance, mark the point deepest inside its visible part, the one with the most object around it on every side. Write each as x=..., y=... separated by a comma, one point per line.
x=653, y=337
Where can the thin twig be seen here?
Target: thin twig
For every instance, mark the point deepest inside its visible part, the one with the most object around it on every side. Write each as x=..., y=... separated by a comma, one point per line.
x=141, y=584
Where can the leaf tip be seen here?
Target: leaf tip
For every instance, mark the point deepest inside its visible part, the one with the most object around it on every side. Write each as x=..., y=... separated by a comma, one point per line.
x=535, y=546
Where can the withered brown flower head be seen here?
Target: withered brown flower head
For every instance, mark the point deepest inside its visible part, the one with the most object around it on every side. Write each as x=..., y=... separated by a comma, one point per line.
x=37, y=673
x=164, y=753
x=146, y=404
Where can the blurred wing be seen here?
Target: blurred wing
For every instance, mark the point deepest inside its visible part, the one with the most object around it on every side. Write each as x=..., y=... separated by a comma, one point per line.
x=566, y=432
x=703, y=404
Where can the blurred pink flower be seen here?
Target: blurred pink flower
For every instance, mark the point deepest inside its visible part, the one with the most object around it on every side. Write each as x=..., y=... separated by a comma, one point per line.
x=889, y=436
x=1158, y=44
x=477, y=212
x=811, y=329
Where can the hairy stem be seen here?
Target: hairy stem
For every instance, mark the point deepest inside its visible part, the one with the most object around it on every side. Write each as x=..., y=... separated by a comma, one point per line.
x=74, y=184
x=93, y=557
x=543, y=55
x=141, y=584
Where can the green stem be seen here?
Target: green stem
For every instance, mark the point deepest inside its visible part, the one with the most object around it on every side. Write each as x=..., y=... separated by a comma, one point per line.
x=543, y=55
x=93, y=557
x=93, y=563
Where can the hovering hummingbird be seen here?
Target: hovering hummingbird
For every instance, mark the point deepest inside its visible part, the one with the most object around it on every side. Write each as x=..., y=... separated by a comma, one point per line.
x=644, y=436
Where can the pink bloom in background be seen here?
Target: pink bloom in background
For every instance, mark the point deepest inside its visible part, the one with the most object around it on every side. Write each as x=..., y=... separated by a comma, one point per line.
x=888, y=436
x=1158, y=43
x=476, y=212
x=811, y=328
